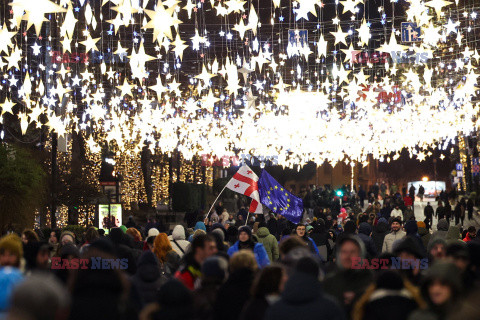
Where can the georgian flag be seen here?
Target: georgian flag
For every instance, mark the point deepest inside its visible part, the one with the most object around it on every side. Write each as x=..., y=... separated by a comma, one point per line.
x=244, y=181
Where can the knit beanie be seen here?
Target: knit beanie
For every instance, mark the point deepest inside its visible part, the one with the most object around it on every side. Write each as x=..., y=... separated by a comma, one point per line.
x=67, y=233
x=124, y=229
x=215, y=267
x=421, y=224
x=13, y=244
x=245, y=229
x=153, y=232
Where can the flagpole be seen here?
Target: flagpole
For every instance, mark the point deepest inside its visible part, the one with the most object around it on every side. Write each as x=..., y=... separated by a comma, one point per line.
x=248, y=215
x=208, y=213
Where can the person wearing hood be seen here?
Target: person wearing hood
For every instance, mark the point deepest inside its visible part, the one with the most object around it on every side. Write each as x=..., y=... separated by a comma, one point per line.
x=303, y=297
x=364, y=232
x=266, y=290
x=453, y=234
x=441, y=289
x=245, y=241
x=222, y=246
x=397, y=213
x=198, y=226
x=436, y=250
x=396, y=234
x=424, y=233
x=347, y=283
x=177, y=240
x=442, y=230
x=379, y=232
x=269, y=242
x=390, y=295
x=235, y=292
x=147, y=280
x=409, y=249
x=301, y=231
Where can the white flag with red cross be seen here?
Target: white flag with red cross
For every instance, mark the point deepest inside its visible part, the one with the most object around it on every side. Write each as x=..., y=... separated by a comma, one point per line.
x=244, y=181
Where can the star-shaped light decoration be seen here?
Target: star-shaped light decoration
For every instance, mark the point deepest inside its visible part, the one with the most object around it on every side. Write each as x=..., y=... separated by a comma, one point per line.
x=90, y=43
x=451, y=26
x=340, y=36
x=162, y=21
x=208, y=101
x=174, y=86
x=7, y=106
x=235, y=6
x=35, y=11
x=253, y=20
x=364, y=33
x=158, y=88
x=322, y=46
x=190, y=5
x=5, y=38
x=36, y=49
x=179, y=46
x=125, y=88
x=438, y=5
x=241, y=28
x=348, y=5
x=205, y=76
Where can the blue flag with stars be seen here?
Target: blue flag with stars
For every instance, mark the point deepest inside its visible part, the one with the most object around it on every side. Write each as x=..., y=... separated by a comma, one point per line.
x=279, y=200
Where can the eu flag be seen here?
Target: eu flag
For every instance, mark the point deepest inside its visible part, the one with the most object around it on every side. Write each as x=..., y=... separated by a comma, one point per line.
x=279, y=200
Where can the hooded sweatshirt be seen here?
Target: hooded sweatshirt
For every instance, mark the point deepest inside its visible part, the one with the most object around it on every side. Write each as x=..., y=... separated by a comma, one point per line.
x=177, y=240
x=269, y=242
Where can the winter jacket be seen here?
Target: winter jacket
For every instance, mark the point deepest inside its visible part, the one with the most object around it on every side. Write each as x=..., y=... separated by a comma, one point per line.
x=177, y=240
x=269, y=242
x=272, y=226
x=364, y=231
x=397, y=304
x=378, y=234
x=147, y=280
x=425, y=236
x=189, y=272
x=440, y=212
x=233, y=295
x=396, y=213
x=390, y=239
x=259, y=250
x=442, y=229
x=303, y=298
x=347, y=286
x=453, y=234
x=408, y=215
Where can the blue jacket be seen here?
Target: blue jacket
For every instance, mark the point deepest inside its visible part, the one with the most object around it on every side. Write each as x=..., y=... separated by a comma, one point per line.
x=260, y=254
x=313, y=245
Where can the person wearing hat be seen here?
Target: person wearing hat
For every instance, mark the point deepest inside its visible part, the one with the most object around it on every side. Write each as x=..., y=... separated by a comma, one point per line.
x=11, y=251
x=396, y=234
x=424, y=233
x=441, y=289
x=245, y=241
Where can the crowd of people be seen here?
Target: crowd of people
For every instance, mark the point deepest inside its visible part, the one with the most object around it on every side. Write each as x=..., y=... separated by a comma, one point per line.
x=338, y=263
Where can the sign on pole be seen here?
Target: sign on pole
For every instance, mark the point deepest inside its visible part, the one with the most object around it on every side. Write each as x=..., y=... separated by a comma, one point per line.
x=410, y=32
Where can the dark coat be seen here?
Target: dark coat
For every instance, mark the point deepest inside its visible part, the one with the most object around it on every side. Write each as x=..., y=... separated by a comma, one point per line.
x=364, y=231
x=396, y=306
x=304, y=299
x=272, y=226
x=147, y=280
x=347, y=286
x=204, y=299
x=255, y=309
x=379, y=233
x=232, y=295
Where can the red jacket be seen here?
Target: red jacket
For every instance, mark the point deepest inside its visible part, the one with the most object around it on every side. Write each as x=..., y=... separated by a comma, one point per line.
x=408, y=201
x=467, y=238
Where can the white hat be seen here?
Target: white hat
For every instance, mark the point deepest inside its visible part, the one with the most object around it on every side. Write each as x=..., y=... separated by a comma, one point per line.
x=153, y=232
